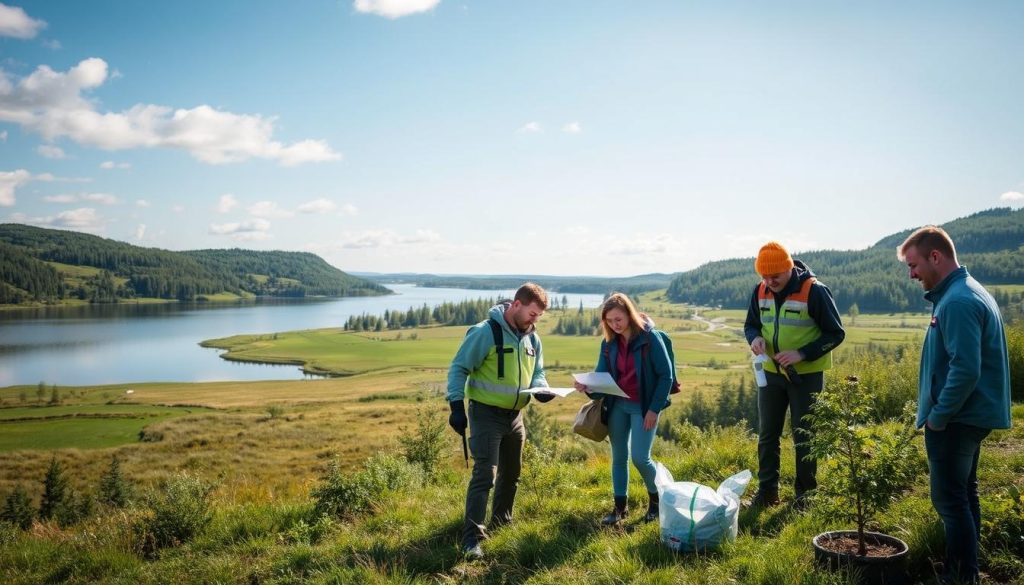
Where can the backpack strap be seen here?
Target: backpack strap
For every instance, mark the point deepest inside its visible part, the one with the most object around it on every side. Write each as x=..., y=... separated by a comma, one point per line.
x=499, y=345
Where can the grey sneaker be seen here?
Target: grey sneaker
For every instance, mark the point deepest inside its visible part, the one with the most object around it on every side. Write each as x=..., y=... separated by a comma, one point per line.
x=473, y=553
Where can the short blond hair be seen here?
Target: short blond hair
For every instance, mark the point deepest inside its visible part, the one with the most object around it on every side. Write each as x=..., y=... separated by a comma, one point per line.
x=927, y=239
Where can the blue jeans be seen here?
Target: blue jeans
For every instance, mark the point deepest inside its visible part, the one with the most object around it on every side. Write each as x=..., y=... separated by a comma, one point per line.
x=630, y=440
x=953, y=470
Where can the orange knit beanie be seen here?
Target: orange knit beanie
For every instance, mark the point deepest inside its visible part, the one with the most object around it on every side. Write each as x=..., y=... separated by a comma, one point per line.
x=772, y=259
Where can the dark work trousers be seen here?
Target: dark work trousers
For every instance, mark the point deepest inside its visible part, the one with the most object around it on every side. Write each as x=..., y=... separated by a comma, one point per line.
x=496, y=440
x=953, y=469
x=772, y=402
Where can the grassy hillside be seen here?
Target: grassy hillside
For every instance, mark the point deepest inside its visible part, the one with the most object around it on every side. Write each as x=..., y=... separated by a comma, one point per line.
x=39, y=264
x=989, y=243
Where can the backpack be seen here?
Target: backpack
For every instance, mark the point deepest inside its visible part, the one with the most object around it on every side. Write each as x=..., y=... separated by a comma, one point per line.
x=675, y=388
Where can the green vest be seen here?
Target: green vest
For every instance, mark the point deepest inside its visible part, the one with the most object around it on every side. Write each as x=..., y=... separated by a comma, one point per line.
x=485, y=386
x=792, y=329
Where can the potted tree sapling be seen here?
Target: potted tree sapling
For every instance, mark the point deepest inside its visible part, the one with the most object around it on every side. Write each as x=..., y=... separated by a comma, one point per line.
x=867, y=464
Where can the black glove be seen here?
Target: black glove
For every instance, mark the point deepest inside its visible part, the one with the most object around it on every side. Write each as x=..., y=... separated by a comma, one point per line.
x=543, y=396
x=457, y=419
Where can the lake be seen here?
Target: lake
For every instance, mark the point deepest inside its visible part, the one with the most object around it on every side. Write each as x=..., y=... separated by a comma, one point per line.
x=125, y=343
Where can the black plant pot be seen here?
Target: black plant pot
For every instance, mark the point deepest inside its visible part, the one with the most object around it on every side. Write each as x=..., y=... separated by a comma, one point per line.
x=890, y=570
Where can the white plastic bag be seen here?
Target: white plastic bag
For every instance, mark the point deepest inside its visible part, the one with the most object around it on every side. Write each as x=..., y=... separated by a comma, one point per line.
x=694, y=517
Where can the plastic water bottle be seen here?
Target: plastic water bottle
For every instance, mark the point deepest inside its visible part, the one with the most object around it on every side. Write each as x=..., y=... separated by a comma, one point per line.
x=762, y=379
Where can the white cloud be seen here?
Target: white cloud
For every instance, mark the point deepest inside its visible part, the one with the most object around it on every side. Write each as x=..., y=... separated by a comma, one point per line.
x=14, y=22
x=51, y=178
x=178, y=208
x=394, y=8
x=348, y=209
x=109, y=164
x=646, y=245
x=572, y=128
x=268, y=209
x=3, y=136
x=226, y=203
x=385, y=238
x=51, y=103
x=9, y=183
x=101, y=198
x=318, y=206
x=63, y=198
x=52, y=44
x=84, y=219
x=530, y=128
x=140, y=232
x=1012, y=196
x=141, y=203
x=50, y=151
x=254, y=229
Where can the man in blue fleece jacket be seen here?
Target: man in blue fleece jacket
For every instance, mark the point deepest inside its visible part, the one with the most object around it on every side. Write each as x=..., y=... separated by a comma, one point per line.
x=964, y=389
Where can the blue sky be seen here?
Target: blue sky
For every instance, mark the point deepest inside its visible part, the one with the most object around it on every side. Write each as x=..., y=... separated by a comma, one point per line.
x=556, y=137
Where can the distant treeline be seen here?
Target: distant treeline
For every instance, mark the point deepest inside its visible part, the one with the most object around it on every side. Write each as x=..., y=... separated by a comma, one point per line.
x=469, y=312
x=127, y=271
x=989, y=243
x=632, y=285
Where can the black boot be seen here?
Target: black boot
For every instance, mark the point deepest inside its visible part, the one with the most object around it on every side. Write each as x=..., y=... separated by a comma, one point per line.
x=652, y=507
x=617, y=513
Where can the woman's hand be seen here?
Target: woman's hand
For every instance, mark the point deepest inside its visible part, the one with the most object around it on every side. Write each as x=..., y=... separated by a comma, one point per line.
x=650, y=420
x=581, y=388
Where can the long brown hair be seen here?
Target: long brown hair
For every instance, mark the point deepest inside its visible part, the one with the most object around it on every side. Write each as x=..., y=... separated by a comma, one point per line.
x=622, y=302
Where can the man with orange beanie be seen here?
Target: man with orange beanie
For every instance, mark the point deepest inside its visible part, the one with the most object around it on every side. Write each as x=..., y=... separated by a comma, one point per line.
x=793, y=320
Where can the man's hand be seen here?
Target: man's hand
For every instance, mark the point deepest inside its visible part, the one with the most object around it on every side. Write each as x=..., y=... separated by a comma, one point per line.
x=543, y=397
x=757, y=346
x=457, y=419
x=789, y=357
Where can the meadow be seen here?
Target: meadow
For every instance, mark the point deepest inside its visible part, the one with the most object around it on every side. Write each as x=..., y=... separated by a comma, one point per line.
x=268, y=451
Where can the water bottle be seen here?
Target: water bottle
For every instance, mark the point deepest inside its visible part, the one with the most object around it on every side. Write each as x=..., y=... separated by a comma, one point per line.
x=759, y=375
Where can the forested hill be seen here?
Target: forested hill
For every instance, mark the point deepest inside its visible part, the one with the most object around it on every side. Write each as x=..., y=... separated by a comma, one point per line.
x=39, y=264
x=562, y=284
x=989, y=244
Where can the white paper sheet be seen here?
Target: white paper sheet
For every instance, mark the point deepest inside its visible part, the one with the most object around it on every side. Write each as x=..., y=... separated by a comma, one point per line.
x=562, y=392
x=600, y=382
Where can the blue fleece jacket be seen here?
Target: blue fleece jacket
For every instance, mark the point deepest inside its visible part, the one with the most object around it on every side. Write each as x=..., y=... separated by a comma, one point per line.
x=965, y=372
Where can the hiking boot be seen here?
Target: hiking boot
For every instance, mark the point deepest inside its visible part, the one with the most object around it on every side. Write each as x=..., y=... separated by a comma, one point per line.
x=802, y=503
x=652, y=507
x=613, y=517
x=473, y=552
x=765, y=499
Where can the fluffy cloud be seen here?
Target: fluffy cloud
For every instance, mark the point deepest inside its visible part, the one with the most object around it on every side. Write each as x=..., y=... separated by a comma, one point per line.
x=101, y=198
x=50, y=151
x=142, y=203
x=318, y=206
x=1012, y=196
x=255, y=229
x=14, y=22
x=394, y=8
x=9, y=183
x=140, y=232
x=51, y=103
x=84, y=219
x=530, y=128
x=572, y=128
x=384, y=238
x=348, y=209
x=3, y=136
x=226, y=203
x=109, y=164
x=268, y=209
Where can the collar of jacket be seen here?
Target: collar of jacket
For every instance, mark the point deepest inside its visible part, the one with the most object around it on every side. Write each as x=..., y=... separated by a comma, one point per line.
x=940, y=289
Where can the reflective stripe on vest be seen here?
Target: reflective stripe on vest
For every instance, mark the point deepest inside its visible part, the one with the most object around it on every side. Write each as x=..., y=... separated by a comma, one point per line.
x=484, y=385
x=792, y=329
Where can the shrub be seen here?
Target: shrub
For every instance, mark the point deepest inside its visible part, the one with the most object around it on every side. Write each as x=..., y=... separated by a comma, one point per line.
x=1015, y=345
x=425, y=445
x=55, y=490
x=18, y=509
x=346, y=494
x=891, y=373
x=180, y=510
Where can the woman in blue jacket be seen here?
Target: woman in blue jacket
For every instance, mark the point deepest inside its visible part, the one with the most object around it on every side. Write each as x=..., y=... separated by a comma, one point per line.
x=637, y=360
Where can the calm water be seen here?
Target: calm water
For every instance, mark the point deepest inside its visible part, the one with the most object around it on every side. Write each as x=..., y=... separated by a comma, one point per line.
x=118, y=344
